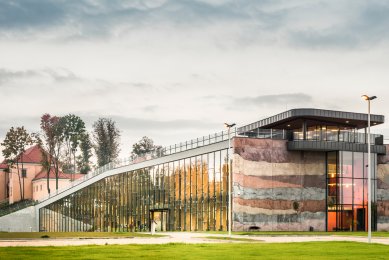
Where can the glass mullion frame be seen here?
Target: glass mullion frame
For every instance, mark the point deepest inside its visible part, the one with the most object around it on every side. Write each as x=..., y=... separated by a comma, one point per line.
x=130, y=203
x=190, y=195
x=202, y=164
x=126, y=223
x=149, y=192
x=79, y=207
x=208, y=175
x=185, y=192
x=172, y=195
x=99, y=193
x=353, y=191
x=218, y=164
x=213, y=194
x=197, y=190
x=138, y=197
x=49, y=218
x=177, y=194
x=119, y=203
x=106, y=206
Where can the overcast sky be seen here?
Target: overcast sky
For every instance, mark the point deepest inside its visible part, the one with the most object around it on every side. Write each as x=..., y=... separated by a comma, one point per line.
x=178, y=69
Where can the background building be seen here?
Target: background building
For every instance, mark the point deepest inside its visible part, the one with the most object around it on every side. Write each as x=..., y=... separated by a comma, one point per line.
x=33, y=178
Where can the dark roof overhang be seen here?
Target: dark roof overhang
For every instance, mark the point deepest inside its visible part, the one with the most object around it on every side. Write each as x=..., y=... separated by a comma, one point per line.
x=294, y=118
x=333, y=146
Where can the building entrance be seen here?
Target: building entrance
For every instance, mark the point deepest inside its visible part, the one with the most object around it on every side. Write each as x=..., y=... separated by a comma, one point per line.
x=160, y=217
x=347, y=197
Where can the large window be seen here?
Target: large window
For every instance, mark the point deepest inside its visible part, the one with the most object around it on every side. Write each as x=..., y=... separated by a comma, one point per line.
x=188, y=194
x=347, y=191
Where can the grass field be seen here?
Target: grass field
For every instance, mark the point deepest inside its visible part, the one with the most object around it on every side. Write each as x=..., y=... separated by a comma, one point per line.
x=16, y=235
x=311, y=250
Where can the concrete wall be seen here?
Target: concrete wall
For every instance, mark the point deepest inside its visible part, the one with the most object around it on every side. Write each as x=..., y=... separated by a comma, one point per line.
x=383, y=192
x=59, y=222
x=20, y=221
x=276, y=189
x=40, y=187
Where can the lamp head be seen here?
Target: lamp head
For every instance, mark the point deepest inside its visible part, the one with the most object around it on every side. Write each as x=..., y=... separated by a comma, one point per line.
x=366, y=97
x=229, y=125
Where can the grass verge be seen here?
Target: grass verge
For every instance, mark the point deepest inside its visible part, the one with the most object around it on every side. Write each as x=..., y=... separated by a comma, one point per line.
x=310, y=250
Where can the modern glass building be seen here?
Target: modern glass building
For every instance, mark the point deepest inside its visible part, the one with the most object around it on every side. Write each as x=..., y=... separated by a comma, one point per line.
x=303, y=169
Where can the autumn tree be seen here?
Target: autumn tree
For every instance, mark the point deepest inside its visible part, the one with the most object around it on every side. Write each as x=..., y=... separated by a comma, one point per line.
x=15, y=143
x=83, y=160
x=106, y=140
x=143, y=146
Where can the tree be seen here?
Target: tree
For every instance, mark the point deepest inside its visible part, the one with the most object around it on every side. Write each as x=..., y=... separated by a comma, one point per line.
x=73, y=131
x=143, y=146
x=53, y=139
x=83, y=160
x=106, y=140
x=15, y=143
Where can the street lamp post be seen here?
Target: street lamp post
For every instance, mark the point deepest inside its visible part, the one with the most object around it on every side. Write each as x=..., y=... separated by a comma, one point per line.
x=368, y=99
x=229, y=177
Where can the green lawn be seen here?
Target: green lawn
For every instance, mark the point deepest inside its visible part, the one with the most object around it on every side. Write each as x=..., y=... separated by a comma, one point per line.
x=16, y=235
x=312, y=250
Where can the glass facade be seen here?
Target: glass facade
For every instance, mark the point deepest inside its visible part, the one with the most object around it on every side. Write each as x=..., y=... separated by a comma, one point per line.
x=185, y=195
x=347, y=191
x=332, y=134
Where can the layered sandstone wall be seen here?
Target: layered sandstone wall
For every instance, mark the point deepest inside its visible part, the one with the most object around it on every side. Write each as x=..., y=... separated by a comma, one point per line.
x=383, y=192
x=276, y=189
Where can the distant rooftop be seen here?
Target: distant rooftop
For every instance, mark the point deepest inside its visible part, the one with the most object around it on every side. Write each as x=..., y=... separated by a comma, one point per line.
x=294, y=118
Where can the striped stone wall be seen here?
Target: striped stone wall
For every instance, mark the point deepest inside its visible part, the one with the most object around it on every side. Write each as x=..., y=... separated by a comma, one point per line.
x=383, y=192
x=276, y=189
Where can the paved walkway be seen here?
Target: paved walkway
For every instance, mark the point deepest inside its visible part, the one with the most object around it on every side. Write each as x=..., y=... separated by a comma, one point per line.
x=179, y=237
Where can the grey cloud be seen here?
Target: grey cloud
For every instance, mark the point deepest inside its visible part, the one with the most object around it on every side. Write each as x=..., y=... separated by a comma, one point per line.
x=150, y=108
x=61, y=75
x=89, y=18
x=31, y=13
x=360, y=23
x=274, y=100
x=57, y=77
x=133, y=123
x=31, y=123
x=261, y=100
x=365, y=24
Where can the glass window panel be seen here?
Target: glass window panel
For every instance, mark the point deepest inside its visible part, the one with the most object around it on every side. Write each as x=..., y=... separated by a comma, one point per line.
x=346, y=160
x=358, y=191
x=346, y=191
x=358, y=165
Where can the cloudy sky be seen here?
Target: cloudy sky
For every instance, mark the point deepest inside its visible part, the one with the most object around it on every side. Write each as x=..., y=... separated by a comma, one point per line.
x=178, y=69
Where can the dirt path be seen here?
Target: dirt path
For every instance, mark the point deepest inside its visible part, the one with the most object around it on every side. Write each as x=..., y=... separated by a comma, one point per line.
x=180, y=237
